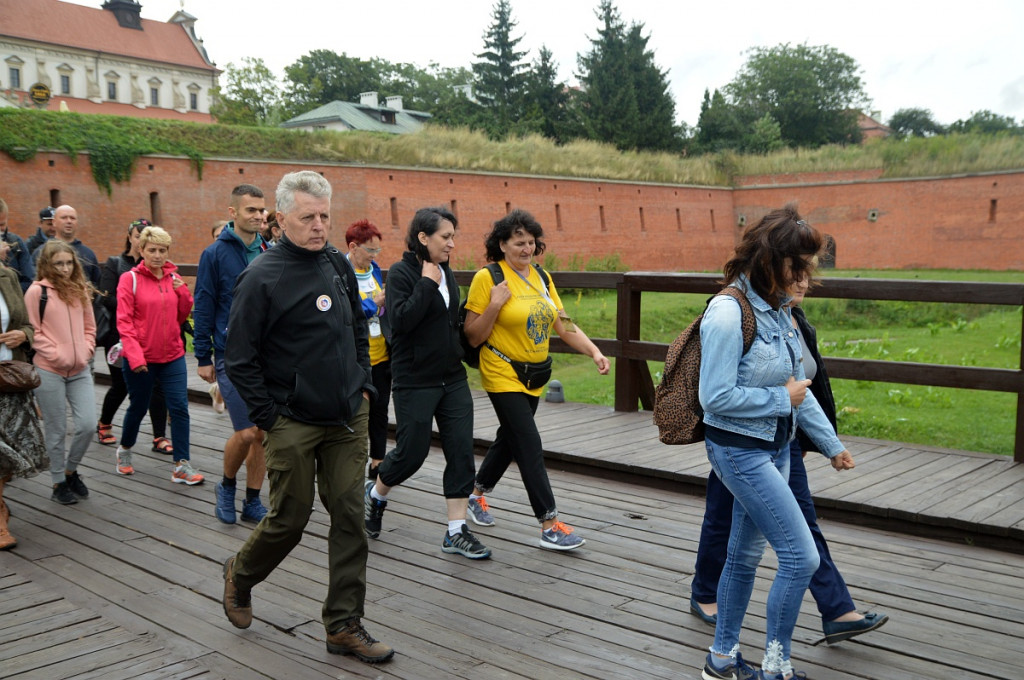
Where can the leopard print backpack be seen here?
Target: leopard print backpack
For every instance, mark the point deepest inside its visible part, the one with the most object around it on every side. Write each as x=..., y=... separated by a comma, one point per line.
x=677, y=410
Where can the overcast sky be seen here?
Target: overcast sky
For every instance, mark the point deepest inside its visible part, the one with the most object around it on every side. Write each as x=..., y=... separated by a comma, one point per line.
x=950, y=57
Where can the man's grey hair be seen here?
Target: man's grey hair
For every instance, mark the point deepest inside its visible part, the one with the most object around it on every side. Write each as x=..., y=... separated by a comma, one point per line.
x=306, y=181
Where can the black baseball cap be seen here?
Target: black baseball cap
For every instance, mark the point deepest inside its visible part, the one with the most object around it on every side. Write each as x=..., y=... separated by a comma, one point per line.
x=46, y=213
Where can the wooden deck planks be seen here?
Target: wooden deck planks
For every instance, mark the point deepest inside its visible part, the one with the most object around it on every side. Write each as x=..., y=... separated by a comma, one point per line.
x=133, y=574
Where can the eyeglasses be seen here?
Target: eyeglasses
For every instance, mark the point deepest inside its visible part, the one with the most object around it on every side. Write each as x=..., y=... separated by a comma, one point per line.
x=371, y=251
x=139, y=223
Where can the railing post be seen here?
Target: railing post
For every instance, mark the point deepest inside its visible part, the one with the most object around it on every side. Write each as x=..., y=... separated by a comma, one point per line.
x=1018, y=439
x=627, y=327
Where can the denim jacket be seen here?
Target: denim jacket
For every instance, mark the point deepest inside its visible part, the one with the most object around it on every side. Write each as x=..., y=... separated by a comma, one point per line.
x=746, y=393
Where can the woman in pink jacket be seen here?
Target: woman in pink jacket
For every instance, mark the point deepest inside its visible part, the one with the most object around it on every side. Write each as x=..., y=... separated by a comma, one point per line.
x=65, y=339
x=152, y=303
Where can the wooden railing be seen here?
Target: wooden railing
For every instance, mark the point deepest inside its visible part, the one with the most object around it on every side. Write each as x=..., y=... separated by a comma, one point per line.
x=634, y=385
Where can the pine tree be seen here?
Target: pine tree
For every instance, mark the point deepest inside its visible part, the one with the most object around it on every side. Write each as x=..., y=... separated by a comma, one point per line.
x=547, y=100
x=501, y=75
x=625, y=100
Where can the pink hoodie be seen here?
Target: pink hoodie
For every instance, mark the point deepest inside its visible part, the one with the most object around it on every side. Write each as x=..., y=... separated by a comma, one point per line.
x=66, y=339
x=149, y=320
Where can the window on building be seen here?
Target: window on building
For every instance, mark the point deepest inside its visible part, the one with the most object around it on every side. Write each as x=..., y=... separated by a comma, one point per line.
x=154, y=96
x=193, y=101
x=112, y=90
x=15, y=78
x=65, y=84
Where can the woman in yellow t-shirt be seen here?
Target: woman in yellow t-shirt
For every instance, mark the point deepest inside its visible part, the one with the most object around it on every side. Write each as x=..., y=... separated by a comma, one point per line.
x=363, y=239
x=513, y=320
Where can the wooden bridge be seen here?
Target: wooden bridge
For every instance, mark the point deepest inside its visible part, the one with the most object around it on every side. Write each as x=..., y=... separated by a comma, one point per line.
x=127, y=584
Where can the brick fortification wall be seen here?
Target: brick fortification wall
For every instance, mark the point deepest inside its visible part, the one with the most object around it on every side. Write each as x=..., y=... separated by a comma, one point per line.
x=970, y=222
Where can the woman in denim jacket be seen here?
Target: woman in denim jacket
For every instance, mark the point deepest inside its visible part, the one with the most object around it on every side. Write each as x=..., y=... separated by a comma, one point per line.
x=752, y=404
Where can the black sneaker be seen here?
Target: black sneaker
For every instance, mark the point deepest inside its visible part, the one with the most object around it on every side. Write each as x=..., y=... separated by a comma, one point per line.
x=76, y=485
x=373, y=512
x=62, y=494
x=736, y=670
x=465, y=544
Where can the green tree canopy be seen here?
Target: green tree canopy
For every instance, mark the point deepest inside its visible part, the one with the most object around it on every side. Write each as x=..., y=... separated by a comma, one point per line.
x=813, y=92
x=501, y=72
x=323, y=76
x=914, y=123
x=252, y=95
x=547, y=100
x=985, y=122
x=625, y=98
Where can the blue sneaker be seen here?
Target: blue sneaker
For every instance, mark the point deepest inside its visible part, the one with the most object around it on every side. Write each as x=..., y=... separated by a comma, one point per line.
x=736, y=670
x=225, y=507
x=253, y=510
x=479, y=512
x=560, y=537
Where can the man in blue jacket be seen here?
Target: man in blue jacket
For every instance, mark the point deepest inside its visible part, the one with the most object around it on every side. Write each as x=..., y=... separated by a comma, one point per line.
x=219, y=265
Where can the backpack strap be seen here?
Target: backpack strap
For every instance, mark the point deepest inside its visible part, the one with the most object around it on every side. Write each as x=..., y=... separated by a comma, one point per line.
x=43, y=296
x=497, y=274
x=748, y=322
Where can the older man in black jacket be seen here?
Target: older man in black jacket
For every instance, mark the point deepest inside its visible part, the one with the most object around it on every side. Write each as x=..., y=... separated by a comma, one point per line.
x=297, y=351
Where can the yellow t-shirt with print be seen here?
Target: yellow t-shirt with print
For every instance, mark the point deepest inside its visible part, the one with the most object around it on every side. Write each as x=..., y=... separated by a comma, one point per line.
x=521, y=330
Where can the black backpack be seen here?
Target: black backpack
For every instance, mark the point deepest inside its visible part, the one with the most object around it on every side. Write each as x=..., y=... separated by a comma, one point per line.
x=470, y=354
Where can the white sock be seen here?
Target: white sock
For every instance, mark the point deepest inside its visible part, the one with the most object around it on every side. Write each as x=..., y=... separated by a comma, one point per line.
x=374, y=494
x=455, y=526
x=474, y=497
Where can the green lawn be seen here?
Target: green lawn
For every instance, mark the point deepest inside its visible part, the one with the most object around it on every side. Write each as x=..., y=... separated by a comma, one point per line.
x=965, y=335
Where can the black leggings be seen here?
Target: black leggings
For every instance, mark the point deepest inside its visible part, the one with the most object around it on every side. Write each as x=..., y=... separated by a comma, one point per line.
x=381, y=374
x=518, y=440
x=115, y=397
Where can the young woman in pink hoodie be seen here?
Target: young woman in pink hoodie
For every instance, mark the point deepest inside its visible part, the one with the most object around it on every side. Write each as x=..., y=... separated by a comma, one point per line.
x=152, y=303
x=65, y=338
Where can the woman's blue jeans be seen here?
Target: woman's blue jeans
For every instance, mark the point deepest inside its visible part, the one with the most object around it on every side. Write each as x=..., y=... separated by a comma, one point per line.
x=765, y=509
x=827, y=585
x=173, y=377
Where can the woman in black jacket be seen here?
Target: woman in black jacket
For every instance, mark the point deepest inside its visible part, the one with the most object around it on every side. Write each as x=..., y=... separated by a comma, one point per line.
x=428, y=378
x=110, y=273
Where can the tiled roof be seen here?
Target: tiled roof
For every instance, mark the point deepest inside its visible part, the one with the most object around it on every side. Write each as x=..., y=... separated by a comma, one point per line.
x=360, y=117
x=63, y=23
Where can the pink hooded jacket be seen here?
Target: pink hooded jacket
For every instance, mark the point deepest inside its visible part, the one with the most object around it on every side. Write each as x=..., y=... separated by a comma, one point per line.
x=66, y=338
x=149, y=319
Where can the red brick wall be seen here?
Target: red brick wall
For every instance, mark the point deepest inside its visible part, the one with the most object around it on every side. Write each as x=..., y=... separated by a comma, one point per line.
x=945, y=222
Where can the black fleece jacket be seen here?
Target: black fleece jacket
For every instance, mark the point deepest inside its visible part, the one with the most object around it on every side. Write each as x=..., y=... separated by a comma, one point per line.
x=425, y=348
x=821, y=388
x=297, y=342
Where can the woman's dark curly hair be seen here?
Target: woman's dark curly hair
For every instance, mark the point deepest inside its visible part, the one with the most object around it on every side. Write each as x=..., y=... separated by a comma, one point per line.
x=764, y=248
x=506, y=227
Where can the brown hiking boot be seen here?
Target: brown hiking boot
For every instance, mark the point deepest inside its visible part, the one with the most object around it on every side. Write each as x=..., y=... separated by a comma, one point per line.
x=353, y=639
x=237, y=602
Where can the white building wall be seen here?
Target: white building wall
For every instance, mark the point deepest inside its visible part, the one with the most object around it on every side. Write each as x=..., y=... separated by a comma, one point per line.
x=89, y=76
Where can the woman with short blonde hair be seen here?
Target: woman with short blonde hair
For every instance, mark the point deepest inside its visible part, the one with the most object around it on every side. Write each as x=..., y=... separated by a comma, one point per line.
x=149, y=296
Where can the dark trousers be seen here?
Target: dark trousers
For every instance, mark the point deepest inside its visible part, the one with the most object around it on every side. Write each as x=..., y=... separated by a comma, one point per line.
x=114, y=397
x=174, y=377
x=381, y=377
x=452, y=407
x=827, y=585
x=518, y=440
x=299, y=454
